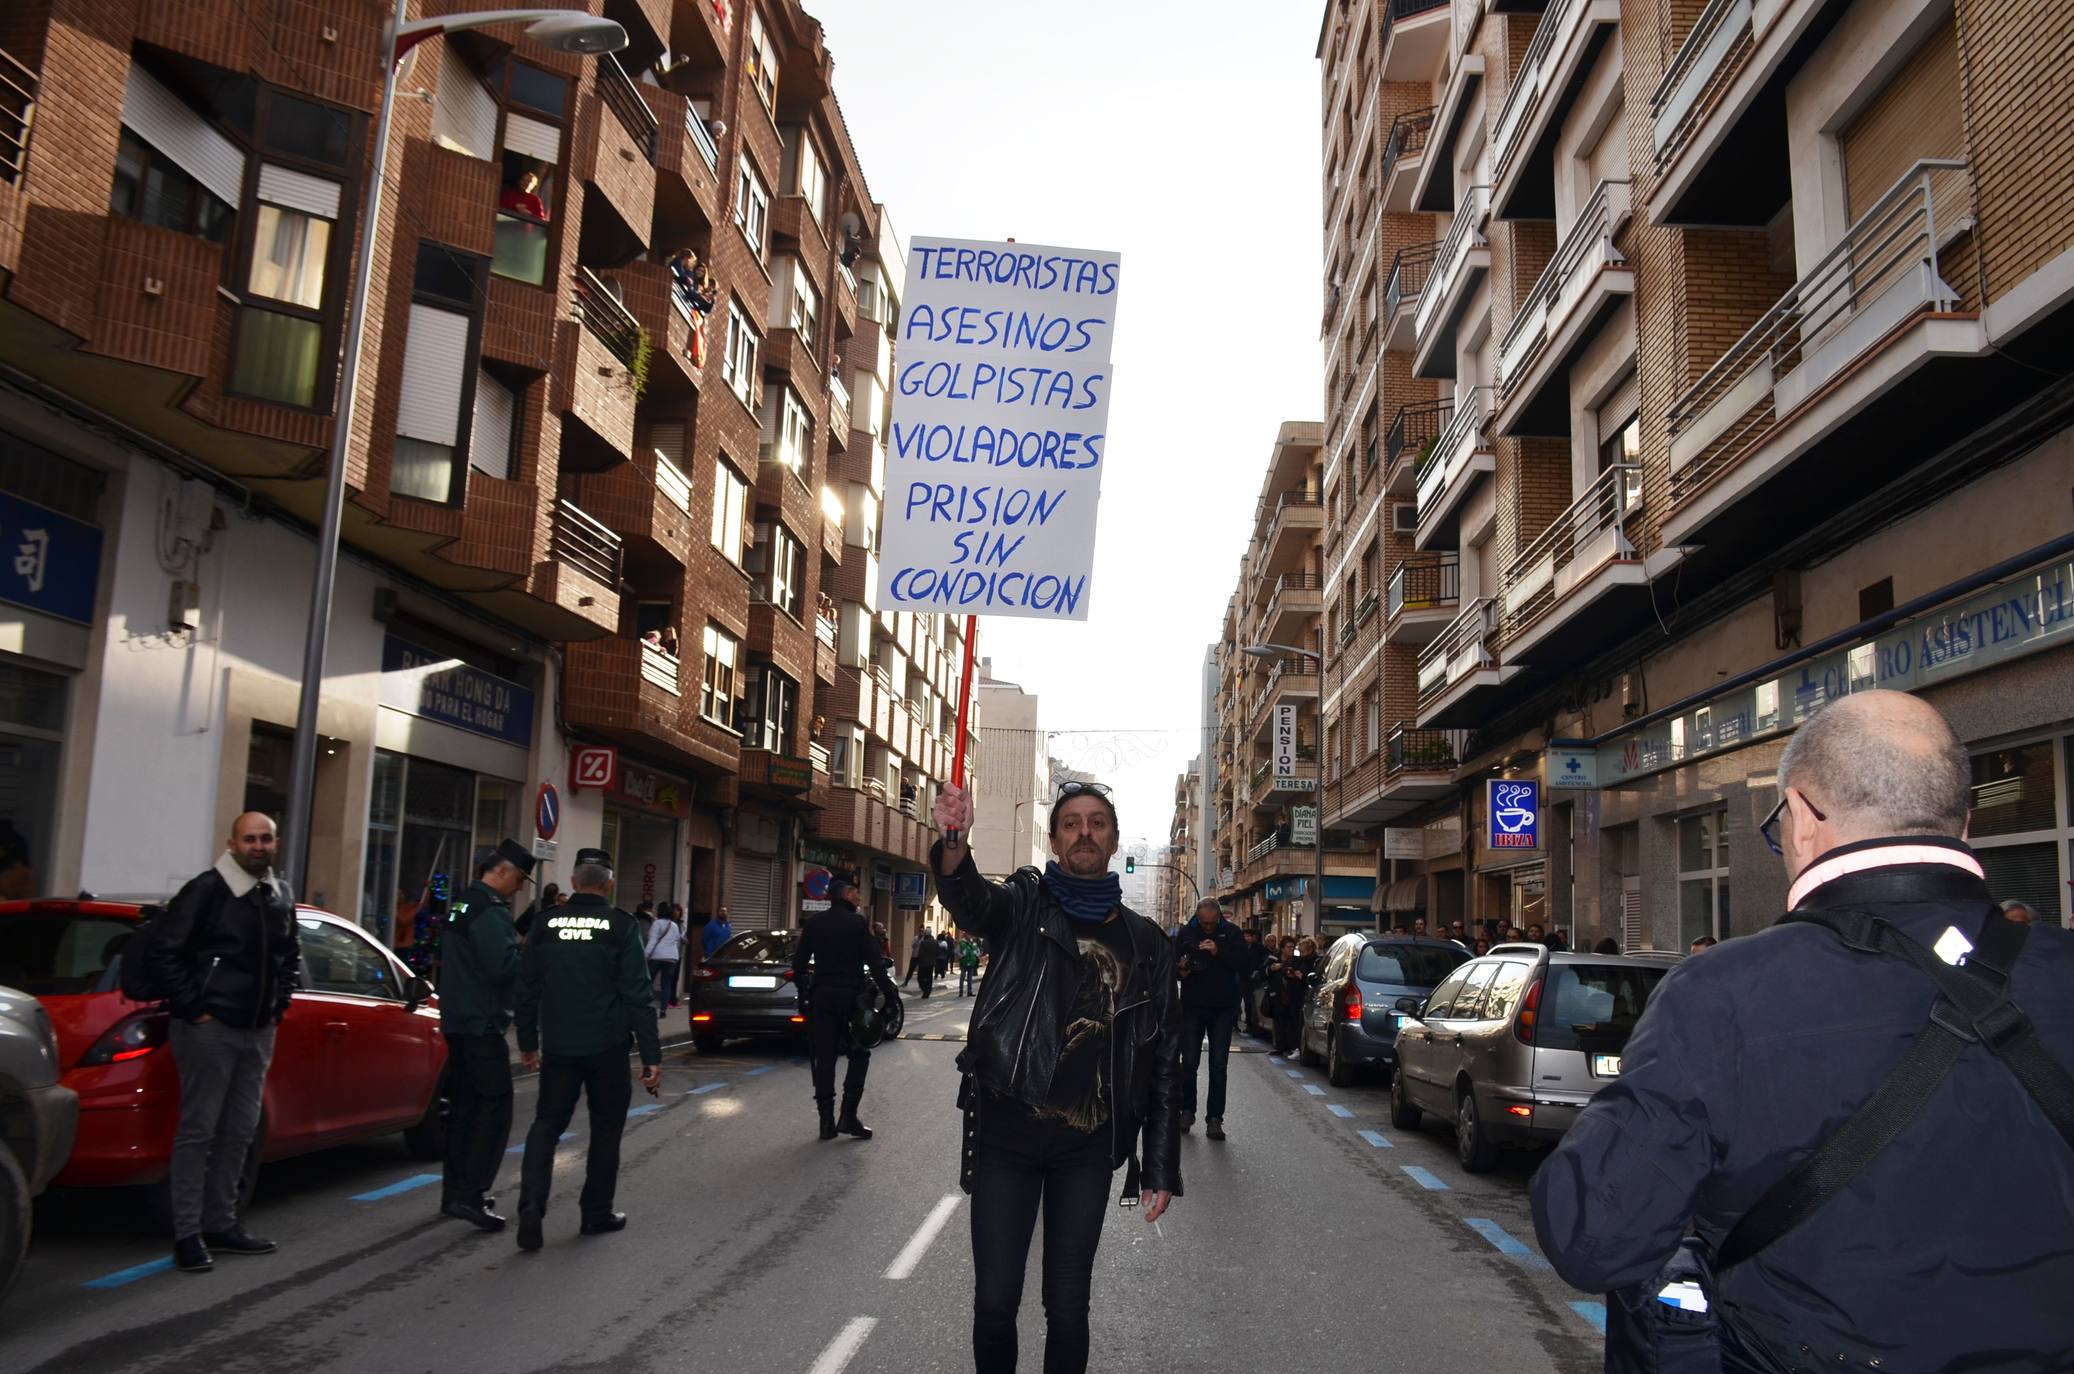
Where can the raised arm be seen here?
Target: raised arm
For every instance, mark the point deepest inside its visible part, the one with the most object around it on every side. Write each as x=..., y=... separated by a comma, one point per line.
x=977, y=905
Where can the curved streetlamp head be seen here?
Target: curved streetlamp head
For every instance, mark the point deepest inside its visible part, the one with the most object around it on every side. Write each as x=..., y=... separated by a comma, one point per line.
x=578, y=33
x=1276, y=651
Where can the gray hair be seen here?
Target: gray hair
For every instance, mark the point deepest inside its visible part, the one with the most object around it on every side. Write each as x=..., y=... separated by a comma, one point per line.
x=2013, y=905
x=1881, y=763
x=590, y=878
x=1212, y=903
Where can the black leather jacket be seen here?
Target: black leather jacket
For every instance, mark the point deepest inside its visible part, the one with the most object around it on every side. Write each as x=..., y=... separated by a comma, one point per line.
x=1013, y=1046
x=237, y=959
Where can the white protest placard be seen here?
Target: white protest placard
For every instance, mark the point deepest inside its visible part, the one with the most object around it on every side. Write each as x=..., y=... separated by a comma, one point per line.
x=994, y=455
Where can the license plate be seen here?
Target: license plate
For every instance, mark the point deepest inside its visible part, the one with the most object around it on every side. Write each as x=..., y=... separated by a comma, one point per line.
x=752, y=980
x=1606, y=1065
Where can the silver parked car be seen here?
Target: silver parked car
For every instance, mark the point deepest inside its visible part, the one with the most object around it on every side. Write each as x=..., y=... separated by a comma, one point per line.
x=1513, y=1044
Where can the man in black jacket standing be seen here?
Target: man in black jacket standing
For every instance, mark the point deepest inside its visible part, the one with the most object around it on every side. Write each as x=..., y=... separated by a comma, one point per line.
x=481, y=960
x=838, y=953
x=1071, y=1068
x=229, y=959
x=1214, y=962
x=1952, y=1247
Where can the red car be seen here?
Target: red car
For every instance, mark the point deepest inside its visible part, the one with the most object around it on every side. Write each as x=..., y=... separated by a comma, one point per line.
x=359, y=1053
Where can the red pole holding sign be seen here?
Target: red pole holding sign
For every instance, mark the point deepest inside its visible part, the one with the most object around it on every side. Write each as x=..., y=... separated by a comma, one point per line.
x=964, y=712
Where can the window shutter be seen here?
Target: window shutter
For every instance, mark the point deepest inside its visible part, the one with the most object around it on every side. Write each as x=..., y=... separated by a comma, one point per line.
x=1915, y=116
x=1619, y=408
x=464, y=115
x=298, y=191
x=535, y=138
x=1631, y=913
x=667, y=438
x=435, y=358
x=489, y=447
x=164, y=121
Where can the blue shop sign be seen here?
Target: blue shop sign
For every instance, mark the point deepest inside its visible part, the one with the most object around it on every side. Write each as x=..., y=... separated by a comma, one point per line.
x=48, y=562
x=440, y=687
x=1515, y=810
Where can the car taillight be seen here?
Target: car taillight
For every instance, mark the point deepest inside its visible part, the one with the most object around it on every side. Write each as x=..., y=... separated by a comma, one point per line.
x=1350, y=1004
x=705, y=973
x=701, y=1017
x=786, y=974
x=798, y=1020
x=133, y=1037
x=1529, y=1007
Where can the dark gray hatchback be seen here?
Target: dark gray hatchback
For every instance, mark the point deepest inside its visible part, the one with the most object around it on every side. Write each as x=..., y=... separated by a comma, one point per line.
x=1368, y=986
x=746, y=989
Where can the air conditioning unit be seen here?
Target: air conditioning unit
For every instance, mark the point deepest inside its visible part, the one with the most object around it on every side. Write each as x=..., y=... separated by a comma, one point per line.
x=1404, y=517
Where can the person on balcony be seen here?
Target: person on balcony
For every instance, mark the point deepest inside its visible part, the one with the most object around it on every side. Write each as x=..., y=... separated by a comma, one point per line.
x=523, y=196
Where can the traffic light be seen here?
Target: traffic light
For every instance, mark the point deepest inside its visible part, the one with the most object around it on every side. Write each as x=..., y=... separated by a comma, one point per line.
x=1130, y=865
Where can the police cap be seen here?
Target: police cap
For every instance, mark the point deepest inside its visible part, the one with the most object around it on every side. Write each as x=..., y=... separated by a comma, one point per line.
x=602, y=858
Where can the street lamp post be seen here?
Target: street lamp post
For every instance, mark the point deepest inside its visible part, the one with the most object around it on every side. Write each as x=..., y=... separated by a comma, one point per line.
x=563, y=30
x=1318, y=750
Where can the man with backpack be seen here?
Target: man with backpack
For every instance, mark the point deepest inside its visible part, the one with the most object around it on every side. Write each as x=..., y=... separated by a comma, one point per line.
x=1864, y=1112
x=225, y=958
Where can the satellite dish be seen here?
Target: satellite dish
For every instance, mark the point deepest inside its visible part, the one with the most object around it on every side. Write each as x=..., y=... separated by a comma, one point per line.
x=852, y=224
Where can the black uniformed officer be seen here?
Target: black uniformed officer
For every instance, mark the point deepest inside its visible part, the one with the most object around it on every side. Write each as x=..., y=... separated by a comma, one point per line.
x=844, y=953
x=583, y=988
x=475, y=994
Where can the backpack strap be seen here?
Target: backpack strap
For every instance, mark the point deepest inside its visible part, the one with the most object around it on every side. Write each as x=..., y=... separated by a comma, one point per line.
x=1971, y=1008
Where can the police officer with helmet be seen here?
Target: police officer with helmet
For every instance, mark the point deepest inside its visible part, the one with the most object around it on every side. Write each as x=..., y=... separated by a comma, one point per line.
x=583, y=989
x=478, y=979
x=844, y=958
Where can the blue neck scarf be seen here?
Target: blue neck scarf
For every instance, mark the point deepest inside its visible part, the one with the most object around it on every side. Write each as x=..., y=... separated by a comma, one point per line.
x=1084, y=899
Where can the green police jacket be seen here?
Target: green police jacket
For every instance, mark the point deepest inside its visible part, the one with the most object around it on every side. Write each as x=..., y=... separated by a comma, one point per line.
x=479, y=964
x=583, y=986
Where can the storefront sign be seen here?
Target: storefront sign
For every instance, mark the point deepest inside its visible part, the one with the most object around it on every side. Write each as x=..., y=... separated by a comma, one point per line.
x=824, y=856
x=440, y=687
x=1992, y=627
x=1444, y=837
x=910, y=891
x=1515, y=812
x=767, y=769
x=1284, y=889
x=593, y=766
x=653, y=791
x=48, y=562
x=1400, y=843
x=1224, y=877
x=547, y=811
x=1303, y=825
x=1285, y=744
x=1572, y=763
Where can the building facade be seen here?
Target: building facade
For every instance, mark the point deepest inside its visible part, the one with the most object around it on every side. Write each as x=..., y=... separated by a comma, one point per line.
x=1011, y=793
x=594, y=504
x=1685, y=369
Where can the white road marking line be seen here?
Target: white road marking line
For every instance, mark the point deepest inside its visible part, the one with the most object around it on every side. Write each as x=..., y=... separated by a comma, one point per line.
x=918, y=1244
x=844, y=1347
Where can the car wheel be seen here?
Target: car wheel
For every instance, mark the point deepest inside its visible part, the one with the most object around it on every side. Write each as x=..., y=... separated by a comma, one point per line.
x=706, y=1043
x=1338, y=1072
x=427, y=1139
x=1403, y=1115
x=1475, y=1149
x=14, y=1219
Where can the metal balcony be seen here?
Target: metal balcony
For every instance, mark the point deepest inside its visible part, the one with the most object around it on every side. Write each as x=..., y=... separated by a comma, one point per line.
x=1411, y=436
x=581, y=541
x=1404, y=154
x=1558, y=61
x=1552, y=598
x=1459, y=266
x=1583, y=284
x=617, y=92
x=1460, y=458
x=1460, y=664
x=1423, y=594
x=610, y=322
x=1414, y=38
x=1408, y=273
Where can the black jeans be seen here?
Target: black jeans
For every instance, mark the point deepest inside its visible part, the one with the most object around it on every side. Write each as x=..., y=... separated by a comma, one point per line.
x=966, y=978
x=1197, y=1022
x=828, y=1034
x=608, y=1090
x=478, y=1120
x=925, y=974
x=1022, y=1160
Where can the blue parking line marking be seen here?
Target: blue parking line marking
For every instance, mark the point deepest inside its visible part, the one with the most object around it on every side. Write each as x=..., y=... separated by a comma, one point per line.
x=1314, y=1090
x=1507, y=1243
x=644, y=1109
x=404, y=1186
x=1294, y=1073
x=1338, y=1110
x=1593, y=1312
x=1378, y=1139
x=765, y=1069
x=131, y=1274
x=1426, y=1178
x=709, y=1088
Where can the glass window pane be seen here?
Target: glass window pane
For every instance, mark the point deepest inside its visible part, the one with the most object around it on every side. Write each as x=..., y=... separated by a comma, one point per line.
x=1595, y=1004
x=304, y=129
x=1469, y=1005
x=1692, y=845
x=1695, y=910
x=2013, y=790
x=446, y=273
x=2030, y=873
x=422, y=469
x=277, y=357
x=339, y=962
x=537, y=89
x=521, y=250
x=288, y=251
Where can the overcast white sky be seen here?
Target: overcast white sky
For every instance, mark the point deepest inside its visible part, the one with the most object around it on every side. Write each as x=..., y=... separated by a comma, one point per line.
x=1182, y=134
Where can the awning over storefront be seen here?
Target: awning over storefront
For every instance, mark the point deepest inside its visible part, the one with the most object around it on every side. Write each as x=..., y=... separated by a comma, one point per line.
x=1406, y=894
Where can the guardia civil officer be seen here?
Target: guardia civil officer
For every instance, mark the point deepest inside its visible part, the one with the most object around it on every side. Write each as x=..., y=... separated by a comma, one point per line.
x=477, y=984
x=583, y=990
x=844, y=956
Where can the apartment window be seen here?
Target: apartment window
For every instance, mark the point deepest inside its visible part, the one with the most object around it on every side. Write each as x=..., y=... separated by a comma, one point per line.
x=779, y=562
x=2022, y=826
x=738, y=365
x=769, y=711
x=173, y=167
x=529, y=158
x=807, y=179
x=492, y=448
x=153, y=189
x=437, y=400
x=806, y=307
x=1371, y=723
x=1916, y=115
x=1620, y=440
x=1703, y=906
x=846, y=756
x=717, y=687
x=281, y=327
x=730, y=510
x=763, y=61
x=788, y=431
x=752, y=209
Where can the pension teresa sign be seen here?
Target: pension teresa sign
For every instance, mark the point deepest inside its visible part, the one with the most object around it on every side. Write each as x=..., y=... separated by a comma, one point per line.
x=1001, y=384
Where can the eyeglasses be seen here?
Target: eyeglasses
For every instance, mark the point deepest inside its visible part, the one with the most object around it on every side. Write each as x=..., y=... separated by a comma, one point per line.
x=1770, y=828
x=1074, y=789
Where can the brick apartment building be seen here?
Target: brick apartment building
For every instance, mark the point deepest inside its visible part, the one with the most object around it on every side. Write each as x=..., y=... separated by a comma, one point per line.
x=1686, y=367
x=1177, y=888
x=581, y=509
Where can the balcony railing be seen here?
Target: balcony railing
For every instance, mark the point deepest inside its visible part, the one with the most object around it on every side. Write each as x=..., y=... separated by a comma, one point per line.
x=586, y=545
x=1407, y=748
x=658, y=668
x=1302, y=498
x=1424, y=582
x=826, y=629
x=1291, y=582
x=1408, y=273
x=17, y=115
x=1593, y=529
x=1466, y=234
x=1263, y=849
x=1463, y=436
x=1367, y=608
x=1701, y=64
x=619, y=94
x=1883, y=272
x=1294, y=667
x=1405, y=9
x=1527, y=87
x=1460, y=649
x=610, y=322
x=1408, y=135
x=817, y=755
x=701, y=138
x=1587, y=248
x=1417, y=429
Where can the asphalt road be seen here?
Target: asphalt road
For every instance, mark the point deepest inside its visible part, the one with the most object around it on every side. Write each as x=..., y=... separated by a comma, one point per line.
x=1315, y=1238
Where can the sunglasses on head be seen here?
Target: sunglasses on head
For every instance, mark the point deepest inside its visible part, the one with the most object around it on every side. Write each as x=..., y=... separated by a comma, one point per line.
x=1770, y=828
x=1074, y=789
